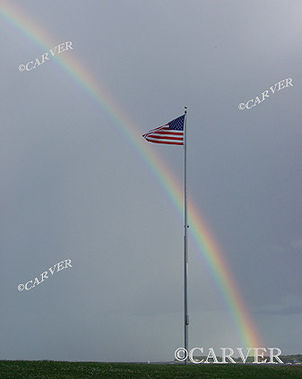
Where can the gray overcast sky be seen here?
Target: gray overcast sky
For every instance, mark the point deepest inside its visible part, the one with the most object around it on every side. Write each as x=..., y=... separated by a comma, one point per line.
x=72, y=186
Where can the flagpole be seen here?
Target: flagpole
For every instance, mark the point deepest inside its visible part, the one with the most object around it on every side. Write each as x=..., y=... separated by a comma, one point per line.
x=186, y=226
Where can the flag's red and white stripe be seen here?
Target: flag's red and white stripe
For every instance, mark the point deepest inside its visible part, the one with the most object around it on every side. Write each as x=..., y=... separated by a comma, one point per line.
x=165, y=135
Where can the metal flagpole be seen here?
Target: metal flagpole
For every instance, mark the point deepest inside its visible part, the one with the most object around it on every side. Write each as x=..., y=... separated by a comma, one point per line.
x=186, y=226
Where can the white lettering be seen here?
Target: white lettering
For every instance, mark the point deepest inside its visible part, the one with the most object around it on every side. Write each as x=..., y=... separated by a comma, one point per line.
x=289, y=80
x=27, y=289
x=211, y=355
x=45, y=57
x=27, y=66
x=264, y=94
x=52, y=270
x=67, y=263
x=61, y=48
x=272, y=355
x=53, y=52
x=60, y=266
x=181, y=354
x=64, y=46
x=68, y=45
x=244, y=358
x=36, y=281
x=192, y=357
x=37, y=62
x=279, y=85
x=44, y=276
x=256, y=355
x=229, y=355
x=271, y=88
x=246, y=105
x=259, y=99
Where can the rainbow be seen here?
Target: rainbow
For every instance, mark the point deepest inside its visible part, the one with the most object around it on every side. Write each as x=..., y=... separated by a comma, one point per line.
x=202, y=235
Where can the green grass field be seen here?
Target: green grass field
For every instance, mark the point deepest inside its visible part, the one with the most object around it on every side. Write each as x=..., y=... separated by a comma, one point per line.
x=51, y=369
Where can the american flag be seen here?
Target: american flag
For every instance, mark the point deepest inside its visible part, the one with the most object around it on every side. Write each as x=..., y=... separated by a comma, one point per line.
x=171, y=133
